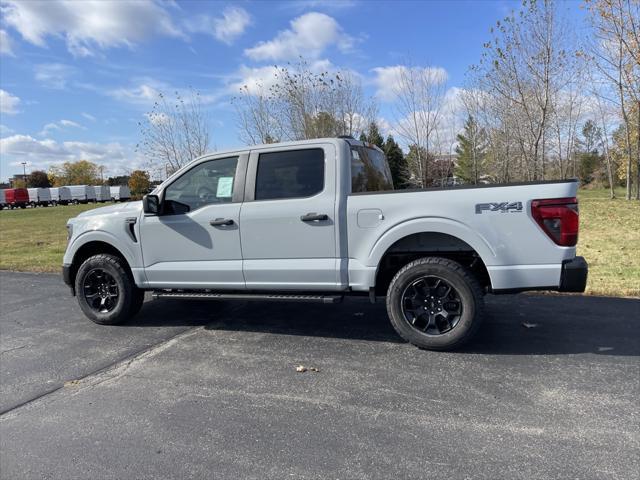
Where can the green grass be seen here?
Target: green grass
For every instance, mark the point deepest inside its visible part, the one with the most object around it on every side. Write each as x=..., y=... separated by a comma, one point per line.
x=610, y=242
x=34, y=240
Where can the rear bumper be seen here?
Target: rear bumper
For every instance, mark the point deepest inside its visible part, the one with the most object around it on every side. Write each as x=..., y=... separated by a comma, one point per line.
x=574, y=275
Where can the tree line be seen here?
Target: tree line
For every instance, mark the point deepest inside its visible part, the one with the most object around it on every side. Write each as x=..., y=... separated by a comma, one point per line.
x=544, y=101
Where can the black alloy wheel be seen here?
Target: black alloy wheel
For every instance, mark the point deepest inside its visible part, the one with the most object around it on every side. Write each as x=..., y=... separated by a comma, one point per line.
x=100, y=290
x=431, y=305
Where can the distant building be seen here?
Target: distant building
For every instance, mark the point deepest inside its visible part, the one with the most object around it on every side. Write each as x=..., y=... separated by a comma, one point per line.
x=18, y=177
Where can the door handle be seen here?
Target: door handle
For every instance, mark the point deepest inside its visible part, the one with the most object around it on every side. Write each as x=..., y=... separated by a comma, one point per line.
x=220, y=222
x=312, y=217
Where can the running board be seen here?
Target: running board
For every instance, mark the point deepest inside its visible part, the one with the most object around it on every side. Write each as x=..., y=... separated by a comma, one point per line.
x=248, y=296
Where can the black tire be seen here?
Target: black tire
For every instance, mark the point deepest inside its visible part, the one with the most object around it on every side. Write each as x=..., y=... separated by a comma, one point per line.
x=438, y=274
x=119, y=284
x=75, y=202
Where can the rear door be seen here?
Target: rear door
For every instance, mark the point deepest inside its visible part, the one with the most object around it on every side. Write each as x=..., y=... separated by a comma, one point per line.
x=288, y=229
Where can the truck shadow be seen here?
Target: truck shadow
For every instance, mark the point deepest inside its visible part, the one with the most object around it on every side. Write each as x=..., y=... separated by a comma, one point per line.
x=514, y=325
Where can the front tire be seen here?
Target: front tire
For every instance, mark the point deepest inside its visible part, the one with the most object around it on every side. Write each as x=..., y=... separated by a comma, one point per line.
x=106, y=292
x=435, y=303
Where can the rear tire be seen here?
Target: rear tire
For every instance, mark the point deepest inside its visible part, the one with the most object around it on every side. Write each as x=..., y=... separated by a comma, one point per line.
x=435, y=303
x=106, y=292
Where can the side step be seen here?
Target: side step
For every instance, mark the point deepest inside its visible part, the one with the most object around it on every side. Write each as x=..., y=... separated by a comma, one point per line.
x=248, y=296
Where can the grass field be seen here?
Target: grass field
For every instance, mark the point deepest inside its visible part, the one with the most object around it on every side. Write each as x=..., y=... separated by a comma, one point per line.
x=34, y=240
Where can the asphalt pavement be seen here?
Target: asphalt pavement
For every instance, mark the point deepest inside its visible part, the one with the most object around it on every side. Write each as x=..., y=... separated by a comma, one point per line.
x=548, y=389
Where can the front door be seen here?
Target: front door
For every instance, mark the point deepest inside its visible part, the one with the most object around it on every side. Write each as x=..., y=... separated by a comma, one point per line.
x=288, y=219
x=195, y=242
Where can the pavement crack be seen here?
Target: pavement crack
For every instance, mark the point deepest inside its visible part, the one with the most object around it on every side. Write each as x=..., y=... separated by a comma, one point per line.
x=109, y=372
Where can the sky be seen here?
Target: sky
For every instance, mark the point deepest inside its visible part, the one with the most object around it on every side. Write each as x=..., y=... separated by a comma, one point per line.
x=76, y=77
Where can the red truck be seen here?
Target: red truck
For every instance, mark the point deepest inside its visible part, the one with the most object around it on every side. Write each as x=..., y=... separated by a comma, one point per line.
x=16, y=197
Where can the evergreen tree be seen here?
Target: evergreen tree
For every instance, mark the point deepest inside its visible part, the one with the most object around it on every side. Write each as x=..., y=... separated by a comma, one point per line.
x=373, y=135
x=397, y=163
x=471, y=152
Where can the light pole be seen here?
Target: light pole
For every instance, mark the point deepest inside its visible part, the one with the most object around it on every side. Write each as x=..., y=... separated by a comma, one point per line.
x=24, y=171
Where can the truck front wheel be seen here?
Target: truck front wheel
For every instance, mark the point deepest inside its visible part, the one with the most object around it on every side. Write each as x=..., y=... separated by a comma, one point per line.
x=435, y=303
x=106, y=292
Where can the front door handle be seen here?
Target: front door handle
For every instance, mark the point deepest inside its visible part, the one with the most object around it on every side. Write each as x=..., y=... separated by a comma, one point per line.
x=312, y=217
x=219, y=222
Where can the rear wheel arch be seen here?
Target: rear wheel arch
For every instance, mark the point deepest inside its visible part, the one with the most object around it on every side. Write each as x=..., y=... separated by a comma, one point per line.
x=428, y=244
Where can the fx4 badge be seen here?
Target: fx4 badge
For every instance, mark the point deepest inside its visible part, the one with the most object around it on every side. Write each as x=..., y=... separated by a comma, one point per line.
x=502, y=207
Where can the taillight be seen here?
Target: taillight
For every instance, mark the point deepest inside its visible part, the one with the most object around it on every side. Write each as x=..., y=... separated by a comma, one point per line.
x=558, y=217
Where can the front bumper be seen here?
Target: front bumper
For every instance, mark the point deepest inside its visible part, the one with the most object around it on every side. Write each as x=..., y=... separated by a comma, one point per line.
x=66, y=276
x=574, y=275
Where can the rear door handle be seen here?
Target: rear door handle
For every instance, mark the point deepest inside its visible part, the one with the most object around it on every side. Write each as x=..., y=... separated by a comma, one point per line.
x=219, y=222
x=312, y=217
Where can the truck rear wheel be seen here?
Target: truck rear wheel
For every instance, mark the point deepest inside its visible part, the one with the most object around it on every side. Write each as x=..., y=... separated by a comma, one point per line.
x=435, y=303
x=106, y=292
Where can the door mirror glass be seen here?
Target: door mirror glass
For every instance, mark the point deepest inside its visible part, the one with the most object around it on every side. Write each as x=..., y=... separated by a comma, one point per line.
x=151, y=204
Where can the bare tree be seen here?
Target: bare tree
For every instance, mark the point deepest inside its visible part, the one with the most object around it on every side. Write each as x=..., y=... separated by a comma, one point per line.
x=419, y=97
x=616, y=51
x=528, y=64
x=302, y=103
x=175, y=131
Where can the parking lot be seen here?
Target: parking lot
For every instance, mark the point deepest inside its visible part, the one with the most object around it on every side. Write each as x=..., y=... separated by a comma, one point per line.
x=549, y=389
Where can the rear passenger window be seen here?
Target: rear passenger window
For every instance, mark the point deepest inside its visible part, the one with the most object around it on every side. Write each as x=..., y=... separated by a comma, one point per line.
x=290, y=174
x=369, y=171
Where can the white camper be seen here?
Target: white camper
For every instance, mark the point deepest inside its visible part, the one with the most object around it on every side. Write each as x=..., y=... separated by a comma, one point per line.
x=120, y=193
x=39, y=197
x=102, y=193
x=60, y=195
x=82, y=194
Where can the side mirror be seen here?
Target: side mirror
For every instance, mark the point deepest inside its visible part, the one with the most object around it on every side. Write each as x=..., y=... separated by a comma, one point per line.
x=151, y=204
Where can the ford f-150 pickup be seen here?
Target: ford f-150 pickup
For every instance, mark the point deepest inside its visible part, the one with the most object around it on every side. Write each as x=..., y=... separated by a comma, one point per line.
x=317, y=220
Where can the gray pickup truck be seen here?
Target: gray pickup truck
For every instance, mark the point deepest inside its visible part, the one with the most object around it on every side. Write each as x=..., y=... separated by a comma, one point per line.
x=317, y=220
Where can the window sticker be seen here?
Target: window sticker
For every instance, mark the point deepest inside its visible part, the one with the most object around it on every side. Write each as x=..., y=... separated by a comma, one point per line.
x=225, y=187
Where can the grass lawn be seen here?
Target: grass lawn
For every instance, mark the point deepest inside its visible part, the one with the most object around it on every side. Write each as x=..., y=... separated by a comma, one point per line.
x=35, y=239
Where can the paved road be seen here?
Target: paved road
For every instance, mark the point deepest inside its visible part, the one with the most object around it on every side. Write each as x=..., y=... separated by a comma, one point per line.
x=209, y=390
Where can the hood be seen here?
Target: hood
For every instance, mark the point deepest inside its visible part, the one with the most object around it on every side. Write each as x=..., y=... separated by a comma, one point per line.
x=129, y=207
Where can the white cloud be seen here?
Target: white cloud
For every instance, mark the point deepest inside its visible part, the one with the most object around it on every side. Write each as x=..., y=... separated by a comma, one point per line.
x=310, y=34
x=233, y=23
x=89, y=116
x=145, y=91
x=8, y=103
x=4, y=130
x=388, y=80
x=89, y=24
x=59, y=126
x=6, y=47
x=54, y=75
x=44, y=153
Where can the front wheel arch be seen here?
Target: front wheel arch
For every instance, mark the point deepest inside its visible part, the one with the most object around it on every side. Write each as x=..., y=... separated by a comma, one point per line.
x=92, y=248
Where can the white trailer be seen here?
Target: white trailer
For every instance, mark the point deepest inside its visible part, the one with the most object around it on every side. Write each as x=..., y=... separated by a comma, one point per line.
x=39, y=197
x=120, y=193
x=82, y=194
x=102, y=193
x=60, y=195
x=3, y=200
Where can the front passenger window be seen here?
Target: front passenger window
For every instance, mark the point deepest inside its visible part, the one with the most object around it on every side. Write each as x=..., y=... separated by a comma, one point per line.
x=209, y=183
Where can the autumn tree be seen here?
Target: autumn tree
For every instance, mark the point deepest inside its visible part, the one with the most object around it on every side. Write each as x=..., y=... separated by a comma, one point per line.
x=81, y=172
x=139, y=182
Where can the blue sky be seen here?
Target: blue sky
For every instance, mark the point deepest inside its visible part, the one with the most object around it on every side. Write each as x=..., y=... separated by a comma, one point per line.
x=77, y=77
